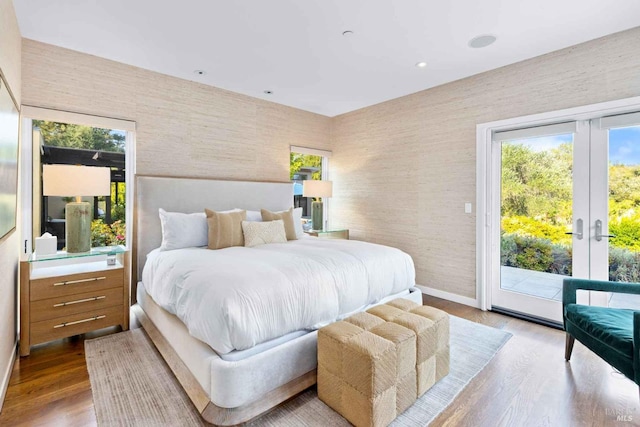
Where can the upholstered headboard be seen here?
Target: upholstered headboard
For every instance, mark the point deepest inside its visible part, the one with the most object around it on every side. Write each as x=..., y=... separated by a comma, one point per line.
x=193, y=195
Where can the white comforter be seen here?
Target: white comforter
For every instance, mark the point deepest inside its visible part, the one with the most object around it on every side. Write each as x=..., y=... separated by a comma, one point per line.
x=235, y=298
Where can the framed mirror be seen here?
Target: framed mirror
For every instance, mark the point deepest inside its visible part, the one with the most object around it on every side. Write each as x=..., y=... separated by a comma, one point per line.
x=9, y=130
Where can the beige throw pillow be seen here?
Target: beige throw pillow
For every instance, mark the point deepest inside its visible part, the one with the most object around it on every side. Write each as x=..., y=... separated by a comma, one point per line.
x=225, y=229
x=286, y=217
x=259, y=233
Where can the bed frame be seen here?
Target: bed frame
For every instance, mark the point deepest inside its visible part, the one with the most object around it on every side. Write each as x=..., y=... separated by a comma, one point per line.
x=193, y=195
x=208, y=410
x=185, y=354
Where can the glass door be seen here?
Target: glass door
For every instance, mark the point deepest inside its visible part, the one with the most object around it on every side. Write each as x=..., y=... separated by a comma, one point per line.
x=569, y=201
x=540, y=206
x=615, y=205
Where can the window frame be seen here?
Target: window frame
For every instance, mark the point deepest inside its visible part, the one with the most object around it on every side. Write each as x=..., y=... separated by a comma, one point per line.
x=326, y=155
x=28, y=172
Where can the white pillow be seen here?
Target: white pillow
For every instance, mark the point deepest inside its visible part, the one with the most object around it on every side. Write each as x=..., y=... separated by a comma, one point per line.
x=260, y=233
x=254, y=216
x=297, y=222
x=180, y=230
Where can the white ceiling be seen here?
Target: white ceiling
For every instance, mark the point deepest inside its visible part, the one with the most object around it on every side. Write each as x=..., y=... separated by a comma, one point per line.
x=296, y=49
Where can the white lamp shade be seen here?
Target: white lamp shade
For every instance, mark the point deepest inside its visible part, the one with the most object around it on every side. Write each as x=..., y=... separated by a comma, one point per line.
x=312, y=188
x=71, y=180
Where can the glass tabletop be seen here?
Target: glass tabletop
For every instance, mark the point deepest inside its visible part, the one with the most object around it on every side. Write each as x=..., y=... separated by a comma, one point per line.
x=105, y=250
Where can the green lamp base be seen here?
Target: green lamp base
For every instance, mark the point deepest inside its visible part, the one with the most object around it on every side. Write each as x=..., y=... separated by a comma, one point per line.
x=78, y=227
x=316, y=215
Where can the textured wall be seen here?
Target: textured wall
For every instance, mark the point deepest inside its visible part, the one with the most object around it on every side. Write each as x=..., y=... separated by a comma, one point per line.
x=10, y=45
x=183, y=128
x=404, y=168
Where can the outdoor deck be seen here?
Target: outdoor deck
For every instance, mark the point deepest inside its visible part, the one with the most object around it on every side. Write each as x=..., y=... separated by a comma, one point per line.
x=549, y=286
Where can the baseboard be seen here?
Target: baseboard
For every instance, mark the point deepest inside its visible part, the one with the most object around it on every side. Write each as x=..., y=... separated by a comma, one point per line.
x=449, y=296
x=7, y=376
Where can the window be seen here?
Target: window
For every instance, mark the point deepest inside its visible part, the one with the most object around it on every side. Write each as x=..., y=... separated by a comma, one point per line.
x=306, y=164
x=72, y=144
x=52, y=137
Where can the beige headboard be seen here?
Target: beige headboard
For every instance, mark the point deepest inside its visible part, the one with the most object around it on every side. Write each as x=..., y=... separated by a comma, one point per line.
x=193, y=195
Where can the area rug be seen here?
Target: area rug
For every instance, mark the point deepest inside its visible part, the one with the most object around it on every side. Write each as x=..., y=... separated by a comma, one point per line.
x=132, y=386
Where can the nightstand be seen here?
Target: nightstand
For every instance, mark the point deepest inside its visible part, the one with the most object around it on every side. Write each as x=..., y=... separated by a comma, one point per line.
x=329, y=234
x=68, y=294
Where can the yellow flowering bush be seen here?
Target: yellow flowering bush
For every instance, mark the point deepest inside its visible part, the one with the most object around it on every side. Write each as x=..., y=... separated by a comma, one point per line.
x=107, y=235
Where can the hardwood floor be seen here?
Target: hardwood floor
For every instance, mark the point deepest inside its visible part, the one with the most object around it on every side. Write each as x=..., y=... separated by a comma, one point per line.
x=527, y=383
x=51, y=386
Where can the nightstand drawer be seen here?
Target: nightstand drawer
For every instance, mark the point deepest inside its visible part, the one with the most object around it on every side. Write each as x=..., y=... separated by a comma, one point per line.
x=70, y=294
x=79, y=323
x=63, y=306
x=59, y=286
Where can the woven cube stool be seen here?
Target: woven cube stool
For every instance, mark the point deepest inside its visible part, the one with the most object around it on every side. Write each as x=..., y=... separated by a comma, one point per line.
x=440, y=344
x=374, y=365
x=357, y=374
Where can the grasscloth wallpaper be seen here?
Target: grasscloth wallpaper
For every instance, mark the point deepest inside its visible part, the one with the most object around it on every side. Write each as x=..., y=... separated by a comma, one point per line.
x=403, y=169
x=183, y=128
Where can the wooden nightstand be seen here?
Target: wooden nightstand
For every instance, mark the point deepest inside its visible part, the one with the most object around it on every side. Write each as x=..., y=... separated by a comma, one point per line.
x=69, y=294
x=329, y=234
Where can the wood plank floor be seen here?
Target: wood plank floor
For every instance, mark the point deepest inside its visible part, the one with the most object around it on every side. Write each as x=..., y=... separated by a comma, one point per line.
x=528, y=383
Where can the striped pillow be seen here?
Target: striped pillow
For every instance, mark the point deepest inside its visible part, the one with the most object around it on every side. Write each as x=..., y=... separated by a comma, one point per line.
x=225, y=229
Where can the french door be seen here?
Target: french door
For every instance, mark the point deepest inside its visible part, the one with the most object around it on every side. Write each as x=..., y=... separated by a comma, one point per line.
x=561, y=191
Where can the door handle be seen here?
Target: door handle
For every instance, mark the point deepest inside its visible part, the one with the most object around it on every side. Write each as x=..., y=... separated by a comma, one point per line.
x=599, y=234
x=578, y=232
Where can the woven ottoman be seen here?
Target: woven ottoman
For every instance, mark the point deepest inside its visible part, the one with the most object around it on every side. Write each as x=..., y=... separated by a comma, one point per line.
x=374, y=365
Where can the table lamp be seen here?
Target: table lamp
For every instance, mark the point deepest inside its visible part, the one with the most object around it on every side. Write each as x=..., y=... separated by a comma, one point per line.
x=78, y=181
x=317, y=189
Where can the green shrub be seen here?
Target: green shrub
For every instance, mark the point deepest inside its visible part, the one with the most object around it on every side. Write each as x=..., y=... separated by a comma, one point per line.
x=508, y=249
x=118, y=212
x=107, y=235
x=624, y=265
x=562, y=260
x=526, y=252
x=531, y=253
x=627, y=232
x=532, y=227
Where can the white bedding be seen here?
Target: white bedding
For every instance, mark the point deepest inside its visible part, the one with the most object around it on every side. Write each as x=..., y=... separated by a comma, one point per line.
x=236, y=298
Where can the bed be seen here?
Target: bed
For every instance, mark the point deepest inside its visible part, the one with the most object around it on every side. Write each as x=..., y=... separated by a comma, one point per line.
x=258, y=364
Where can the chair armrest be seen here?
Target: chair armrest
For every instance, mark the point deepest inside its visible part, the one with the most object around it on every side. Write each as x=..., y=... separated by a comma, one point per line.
x=570, y=286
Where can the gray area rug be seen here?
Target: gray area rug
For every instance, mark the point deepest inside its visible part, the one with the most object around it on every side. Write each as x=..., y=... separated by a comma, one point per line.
x=132, y=386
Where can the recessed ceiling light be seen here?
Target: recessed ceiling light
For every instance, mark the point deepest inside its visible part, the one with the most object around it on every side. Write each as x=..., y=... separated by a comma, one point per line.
x=483, y=40
x=199, y=72
x=268, y=92
x=421, y=64
x=347, y=33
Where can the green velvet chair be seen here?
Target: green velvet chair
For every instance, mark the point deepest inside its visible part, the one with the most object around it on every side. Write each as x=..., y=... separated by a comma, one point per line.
x=611, y=333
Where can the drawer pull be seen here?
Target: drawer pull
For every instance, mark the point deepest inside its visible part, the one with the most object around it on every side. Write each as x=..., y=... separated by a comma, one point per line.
x=78, y=301
x=90, y=319
x=71, y=282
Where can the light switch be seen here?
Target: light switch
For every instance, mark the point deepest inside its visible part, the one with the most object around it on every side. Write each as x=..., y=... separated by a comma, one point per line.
x=467, y=207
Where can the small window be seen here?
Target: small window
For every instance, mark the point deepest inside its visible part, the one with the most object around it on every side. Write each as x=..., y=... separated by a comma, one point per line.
x=306, y=164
